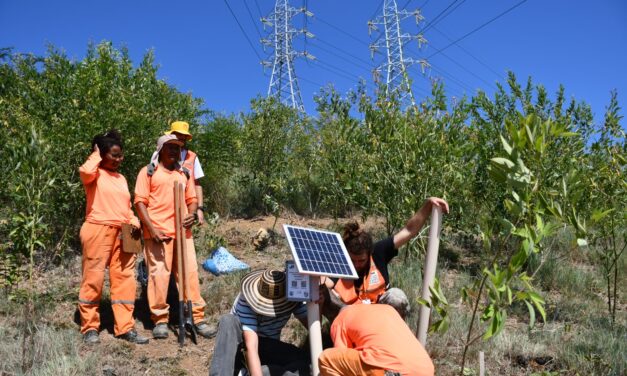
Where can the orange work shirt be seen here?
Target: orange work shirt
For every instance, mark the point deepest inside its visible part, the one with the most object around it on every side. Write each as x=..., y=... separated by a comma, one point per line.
x=382, y=339
x=108, y=198
x=157, y=193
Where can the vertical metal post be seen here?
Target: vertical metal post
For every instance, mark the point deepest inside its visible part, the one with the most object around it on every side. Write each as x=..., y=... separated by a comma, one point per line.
x=431, y=262
x=313, y=321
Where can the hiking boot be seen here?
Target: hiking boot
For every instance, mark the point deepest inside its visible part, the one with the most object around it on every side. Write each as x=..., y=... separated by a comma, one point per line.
x=206, y=330
x=133, y=337
x=91, y=337
x=392, y=373
x=160, y=331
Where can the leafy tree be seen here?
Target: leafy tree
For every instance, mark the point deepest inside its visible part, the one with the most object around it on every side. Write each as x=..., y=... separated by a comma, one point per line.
x=275, y=154
x=608, y=194
x=65, y=103
x=531, y=216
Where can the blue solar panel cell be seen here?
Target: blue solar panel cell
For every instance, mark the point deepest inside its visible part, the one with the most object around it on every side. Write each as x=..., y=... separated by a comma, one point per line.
x=319, y=252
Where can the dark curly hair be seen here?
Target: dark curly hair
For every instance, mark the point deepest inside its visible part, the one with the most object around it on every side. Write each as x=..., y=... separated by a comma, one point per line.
x=356, y=240
x=107, y=140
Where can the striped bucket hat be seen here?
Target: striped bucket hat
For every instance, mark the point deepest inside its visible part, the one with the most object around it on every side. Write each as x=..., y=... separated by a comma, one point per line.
x=264, y=290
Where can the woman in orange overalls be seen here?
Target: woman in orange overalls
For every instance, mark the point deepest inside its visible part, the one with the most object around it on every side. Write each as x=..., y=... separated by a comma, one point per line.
x=108, y=207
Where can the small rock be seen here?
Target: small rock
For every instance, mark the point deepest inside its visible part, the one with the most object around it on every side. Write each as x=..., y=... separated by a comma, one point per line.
x=108, y=371
x=261, y=239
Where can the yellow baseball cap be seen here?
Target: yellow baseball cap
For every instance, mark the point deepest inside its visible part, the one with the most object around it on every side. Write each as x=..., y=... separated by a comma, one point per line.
x=181, y=127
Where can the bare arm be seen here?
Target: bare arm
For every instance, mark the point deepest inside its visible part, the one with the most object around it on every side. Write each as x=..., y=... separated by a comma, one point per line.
x=192, y=204
x=89, y=170
x=251, y=340
x=189, y=219
x=201, y=214
x=415, y=223
x=155, y=234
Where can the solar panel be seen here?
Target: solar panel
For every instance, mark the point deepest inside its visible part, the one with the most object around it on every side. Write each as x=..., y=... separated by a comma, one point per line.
x=318, y=252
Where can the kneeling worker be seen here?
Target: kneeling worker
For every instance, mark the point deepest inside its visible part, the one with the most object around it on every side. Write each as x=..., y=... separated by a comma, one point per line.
x=254, y=326
x=370, y=339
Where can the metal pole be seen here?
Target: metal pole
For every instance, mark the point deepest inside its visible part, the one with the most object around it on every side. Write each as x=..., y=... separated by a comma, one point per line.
x=313, y=321
x=431, y=262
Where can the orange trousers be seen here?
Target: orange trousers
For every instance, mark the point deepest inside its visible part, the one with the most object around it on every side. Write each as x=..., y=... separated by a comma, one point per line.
x=345, y=362
x=161, y=262
x=102, y=248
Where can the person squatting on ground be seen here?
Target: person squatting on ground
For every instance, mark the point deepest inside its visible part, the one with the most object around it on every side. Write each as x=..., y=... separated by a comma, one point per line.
x=108, y=207
x=191, y=162
x=374, y=340
x=253, y=327
x=371, y=261
x=154, y=200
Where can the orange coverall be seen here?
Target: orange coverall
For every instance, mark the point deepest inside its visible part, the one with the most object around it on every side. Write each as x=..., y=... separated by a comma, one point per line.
x=156, y=192
x=371, y=338
x=108, y=206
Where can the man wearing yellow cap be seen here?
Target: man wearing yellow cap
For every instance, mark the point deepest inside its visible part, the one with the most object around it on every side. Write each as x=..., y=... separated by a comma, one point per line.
x=190, y=161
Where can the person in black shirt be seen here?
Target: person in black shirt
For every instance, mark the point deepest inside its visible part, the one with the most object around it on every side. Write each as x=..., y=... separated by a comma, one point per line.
x=371, y=260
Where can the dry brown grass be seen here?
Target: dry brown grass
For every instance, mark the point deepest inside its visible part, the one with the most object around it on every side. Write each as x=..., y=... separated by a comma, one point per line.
x=576, y=339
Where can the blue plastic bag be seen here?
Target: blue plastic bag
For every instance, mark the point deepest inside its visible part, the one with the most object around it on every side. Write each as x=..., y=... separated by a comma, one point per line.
x=222, y=262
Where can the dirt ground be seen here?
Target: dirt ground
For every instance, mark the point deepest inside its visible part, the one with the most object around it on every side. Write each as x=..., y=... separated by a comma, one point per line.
x=166, y=357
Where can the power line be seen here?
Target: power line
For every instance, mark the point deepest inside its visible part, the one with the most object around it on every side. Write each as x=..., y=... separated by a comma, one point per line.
x=459, y=82
x=499, y=75
x=340, y=57
x=368, y=63
x=432, y=24
x=258, y=9
x=252, y=19
x=478, y=28
x=242, y=29
x=468, y=70
x=441, y=16
x=376, y=11
x=305, y=26
x=346, y=73
x=452, y=78
x=309, y=81
x=342, y=31
x=438, y=16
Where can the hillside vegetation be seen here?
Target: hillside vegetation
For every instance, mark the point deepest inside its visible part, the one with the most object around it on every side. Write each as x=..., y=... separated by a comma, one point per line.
x=531, y=265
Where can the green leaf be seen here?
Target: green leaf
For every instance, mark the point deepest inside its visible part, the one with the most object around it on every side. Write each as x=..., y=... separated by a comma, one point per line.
x=532, y=314
x=535, y=297
x=540, y=307
x=519, y=259
x=503, y=162
x=582, y=242
x=506, y=145
x=597, y=214
x=568, y=134
x=515, y=196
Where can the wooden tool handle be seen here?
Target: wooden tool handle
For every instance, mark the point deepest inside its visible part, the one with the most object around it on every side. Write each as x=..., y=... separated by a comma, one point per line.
x=184, y=287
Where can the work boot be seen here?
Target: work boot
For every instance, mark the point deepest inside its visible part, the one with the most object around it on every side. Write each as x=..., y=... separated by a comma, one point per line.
x=160, y=331
x=133, y=337
x=206, y=330
x=91, y=337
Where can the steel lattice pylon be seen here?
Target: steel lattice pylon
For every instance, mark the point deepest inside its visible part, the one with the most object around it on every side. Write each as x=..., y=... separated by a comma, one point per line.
x=283, y=81
x=392, y=39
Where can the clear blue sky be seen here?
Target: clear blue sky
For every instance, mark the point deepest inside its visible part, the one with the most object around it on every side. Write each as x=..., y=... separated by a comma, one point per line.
x=200, y=48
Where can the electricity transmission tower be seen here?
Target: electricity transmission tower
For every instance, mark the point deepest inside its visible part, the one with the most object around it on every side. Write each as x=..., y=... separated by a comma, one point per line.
x=392, y=39
x=283, y=81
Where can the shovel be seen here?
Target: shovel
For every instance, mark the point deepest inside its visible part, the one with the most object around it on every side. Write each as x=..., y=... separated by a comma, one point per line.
x=186, y=319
